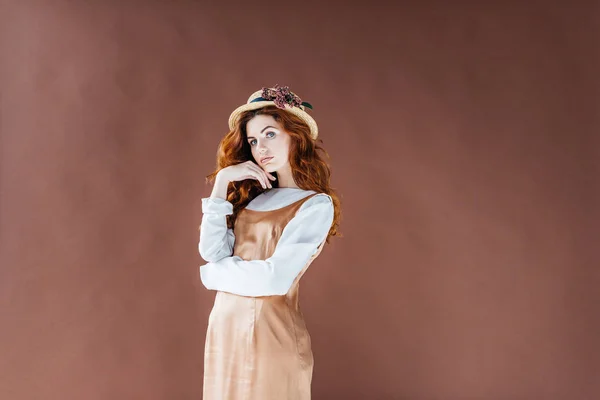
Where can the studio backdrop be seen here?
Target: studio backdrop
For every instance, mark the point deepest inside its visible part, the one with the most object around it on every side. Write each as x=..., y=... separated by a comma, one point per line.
x=463, y=140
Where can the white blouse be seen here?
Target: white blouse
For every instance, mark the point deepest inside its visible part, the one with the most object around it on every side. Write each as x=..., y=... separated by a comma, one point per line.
x=299, y=241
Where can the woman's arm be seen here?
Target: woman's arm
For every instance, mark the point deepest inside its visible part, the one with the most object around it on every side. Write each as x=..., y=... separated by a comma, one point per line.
x=216, y=240
x=299, y=241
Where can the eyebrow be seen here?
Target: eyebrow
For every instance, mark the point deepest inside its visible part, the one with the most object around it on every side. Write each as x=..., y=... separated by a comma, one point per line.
x=263, y=129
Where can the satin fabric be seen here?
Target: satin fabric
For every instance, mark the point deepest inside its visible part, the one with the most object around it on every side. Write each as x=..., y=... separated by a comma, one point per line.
x=259, y=347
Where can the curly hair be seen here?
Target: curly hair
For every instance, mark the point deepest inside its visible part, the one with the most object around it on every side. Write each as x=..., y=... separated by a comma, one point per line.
x=309, y=169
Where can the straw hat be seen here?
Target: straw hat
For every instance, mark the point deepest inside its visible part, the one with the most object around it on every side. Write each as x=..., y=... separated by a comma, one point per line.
x=281, y=97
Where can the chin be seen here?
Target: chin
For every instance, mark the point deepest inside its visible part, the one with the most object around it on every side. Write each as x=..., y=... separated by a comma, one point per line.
x=269, y=168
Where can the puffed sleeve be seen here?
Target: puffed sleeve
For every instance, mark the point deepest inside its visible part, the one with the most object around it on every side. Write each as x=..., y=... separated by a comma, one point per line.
x=216, y=240
x=299, y=241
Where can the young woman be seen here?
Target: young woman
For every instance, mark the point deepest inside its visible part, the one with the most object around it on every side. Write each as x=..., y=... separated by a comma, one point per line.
x=269, y=215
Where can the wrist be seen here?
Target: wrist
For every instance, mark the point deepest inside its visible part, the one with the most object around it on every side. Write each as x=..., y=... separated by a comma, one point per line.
x=220, y=187
x=221, y=179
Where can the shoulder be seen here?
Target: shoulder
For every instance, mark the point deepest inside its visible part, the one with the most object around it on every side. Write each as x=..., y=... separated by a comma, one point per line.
x=318, y=200
x=316, y=214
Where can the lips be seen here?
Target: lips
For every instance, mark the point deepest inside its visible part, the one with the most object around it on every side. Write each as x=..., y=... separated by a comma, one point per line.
x=265, y=159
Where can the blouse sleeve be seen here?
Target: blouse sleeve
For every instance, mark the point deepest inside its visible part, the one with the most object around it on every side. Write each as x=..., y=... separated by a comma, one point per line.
x=299, y=241
x=216, y=240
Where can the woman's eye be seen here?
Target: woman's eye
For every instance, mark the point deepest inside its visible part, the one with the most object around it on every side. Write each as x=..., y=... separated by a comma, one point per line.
x=252, y=142
x=270, y=133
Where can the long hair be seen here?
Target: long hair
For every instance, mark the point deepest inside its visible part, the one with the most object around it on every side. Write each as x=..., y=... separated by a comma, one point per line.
x=309, y=169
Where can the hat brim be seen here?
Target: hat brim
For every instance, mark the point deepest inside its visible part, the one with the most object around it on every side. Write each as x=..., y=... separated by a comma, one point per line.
x=303, y=115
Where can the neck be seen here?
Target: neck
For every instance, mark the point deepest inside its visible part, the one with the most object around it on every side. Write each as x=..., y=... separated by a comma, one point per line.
x=285, y=178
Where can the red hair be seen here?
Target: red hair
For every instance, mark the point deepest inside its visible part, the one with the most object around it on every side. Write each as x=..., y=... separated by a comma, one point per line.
x=309, y=169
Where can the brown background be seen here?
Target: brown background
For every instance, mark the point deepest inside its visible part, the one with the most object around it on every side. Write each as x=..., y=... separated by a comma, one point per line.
x=464, y=143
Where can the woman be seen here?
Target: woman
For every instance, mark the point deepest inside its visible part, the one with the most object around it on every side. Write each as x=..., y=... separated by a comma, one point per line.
x=269, y=215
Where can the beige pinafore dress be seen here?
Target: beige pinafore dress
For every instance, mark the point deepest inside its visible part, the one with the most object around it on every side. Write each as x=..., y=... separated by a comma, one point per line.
x=258, y=348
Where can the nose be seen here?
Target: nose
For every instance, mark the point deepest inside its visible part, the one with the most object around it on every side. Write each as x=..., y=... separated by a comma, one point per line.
x=261, y=148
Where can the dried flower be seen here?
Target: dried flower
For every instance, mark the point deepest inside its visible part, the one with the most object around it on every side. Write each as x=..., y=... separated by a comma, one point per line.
x=281, y=95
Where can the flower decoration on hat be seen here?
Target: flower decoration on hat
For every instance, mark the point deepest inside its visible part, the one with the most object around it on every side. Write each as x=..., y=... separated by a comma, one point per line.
x=281, y=95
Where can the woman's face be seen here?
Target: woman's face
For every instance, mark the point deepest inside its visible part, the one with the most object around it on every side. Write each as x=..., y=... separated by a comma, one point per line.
x=269, y=143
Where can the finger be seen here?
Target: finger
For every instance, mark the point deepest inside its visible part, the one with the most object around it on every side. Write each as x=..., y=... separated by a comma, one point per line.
x=269, y=178
x=261, y=175
x=264, y=179
x=268, y=175
x=257, y=175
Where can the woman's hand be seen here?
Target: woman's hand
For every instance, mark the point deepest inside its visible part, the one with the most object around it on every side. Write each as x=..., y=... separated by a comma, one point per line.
x=246, y=170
